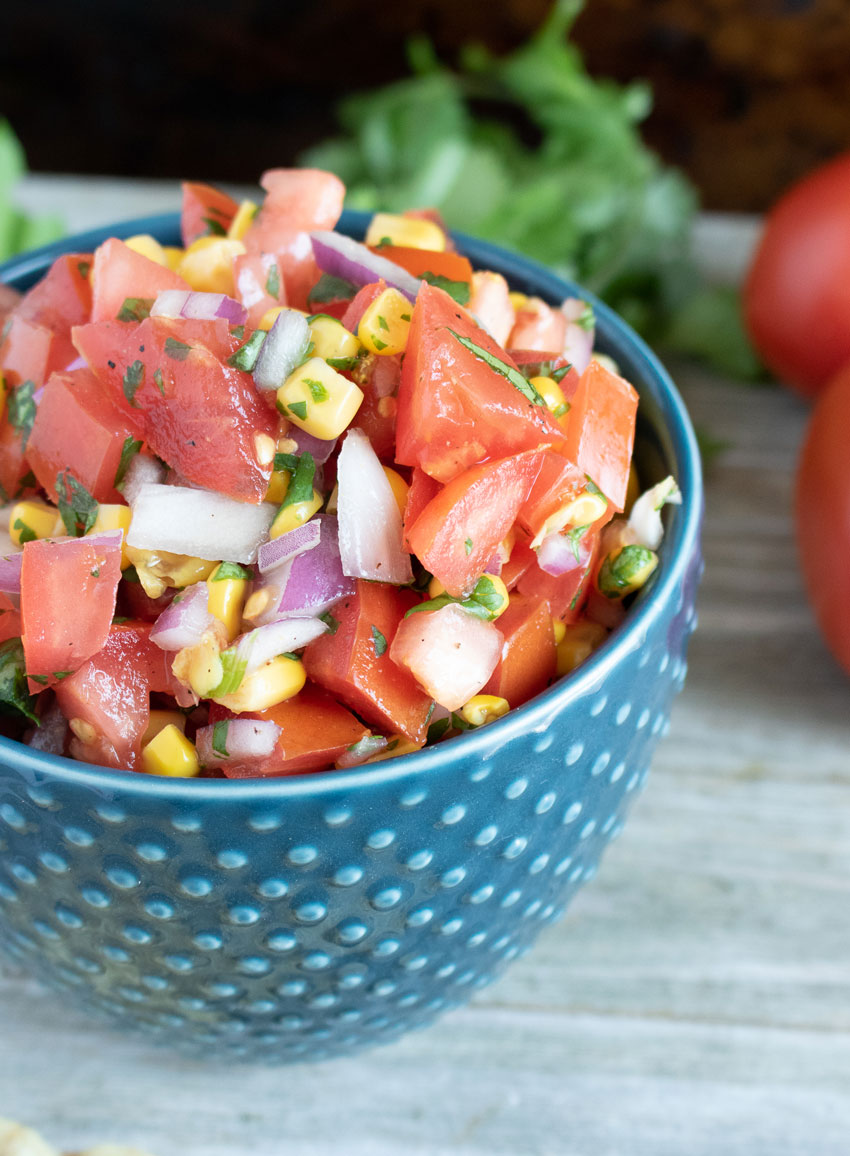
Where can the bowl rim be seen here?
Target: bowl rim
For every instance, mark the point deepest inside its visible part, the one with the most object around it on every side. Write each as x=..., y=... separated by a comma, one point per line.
x=680, y=543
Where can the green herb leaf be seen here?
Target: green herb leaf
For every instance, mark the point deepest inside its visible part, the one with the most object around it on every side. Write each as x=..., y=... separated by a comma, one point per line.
x=273, y=281
x=341, y=364
x=379, y=642
x=618, y=575
x=219, y=737
x=179, y=350
x=299, y=408
x=574, y=537
x=467, y=545
x=329, y=621
x=131, y=381
x=15, y=698
x=214, y=228
x=76, y=505
x=485, y=601
x=158, y=382
x=246, y=355
x=27, y=534
x=458, y=290
x=21, y=410
x=437, y=730
x=227, y=570
x=129, y=450
x=317, y=391
x=233, y=669
x=135, y=309
x=300, y=488
x=513, y=375
x=329, y=288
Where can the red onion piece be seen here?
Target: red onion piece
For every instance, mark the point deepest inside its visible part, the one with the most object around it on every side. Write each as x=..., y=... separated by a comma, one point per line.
x=311, y=582
x=578, y=340
x=287, y=546
x=342, y=257
x=184, y=620
x=51, y=734
x=370, y=523
x=559, y=553
x=307, y=444
x=77, y=363
x=284, y=348
x=244, y=739
x=10, y=573
x=257, y=646
x=361, y=752
x=199, y=306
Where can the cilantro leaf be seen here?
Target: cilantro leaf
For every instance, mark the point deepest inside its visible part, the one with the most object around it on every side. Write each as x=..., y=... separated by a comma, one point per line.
x=300, y=488
x=131, y=381
x=329, y=288
x=128, y=451
x=458, y=290
x=21, y=409
x=379, y=642
x=135, y=309
x=219, y=738
x=227, y=570
x=15, y=698
x=179, y=350
x=76, y=505
x=273, y=281
x=513, y=375
x=246, y=355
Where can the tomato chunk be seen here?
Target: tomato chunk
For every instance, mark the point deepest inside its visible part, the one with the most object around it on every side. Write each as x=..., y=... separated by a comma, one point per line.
x=601, y=430
x=527, y=662
x=457, y=533
x=418, y=262
x=454, y=410
x=315, y=731
x=78, y=427
x=63, y=297
x=68, y=590
x=354, y=664
x=119, y=272
x=205, y=211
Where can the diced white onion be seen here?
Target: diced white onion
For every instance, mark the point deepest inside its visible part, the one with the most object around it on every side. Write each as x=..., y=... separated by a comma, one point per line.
x=257, y=646
x=284, y=348
x=244, y=739
x=645, y=517
x=200, y=523
x=142, y=470
x=370, y=523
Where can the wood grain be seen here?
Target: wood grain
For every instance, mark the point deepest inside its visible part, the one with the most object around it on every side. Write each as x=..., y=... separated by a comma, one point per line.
x=696, y=998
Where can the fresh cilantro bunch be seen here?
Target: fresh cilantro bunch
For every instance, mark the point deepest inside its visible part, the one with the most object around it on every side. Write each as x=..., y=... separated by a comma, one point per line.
x=18, y=230
x=529, y=151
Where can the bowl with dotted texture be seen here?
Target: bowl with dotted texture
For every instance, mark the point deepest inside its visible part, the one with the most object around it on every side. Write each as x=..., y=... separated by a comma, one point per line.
x=299, y=918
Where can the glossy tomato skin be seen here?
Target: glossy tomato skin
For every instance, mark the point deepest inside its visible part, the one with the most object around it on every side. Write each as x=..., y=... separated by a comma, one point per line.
x=797, y=292
x=205, y=211
x=822, y=513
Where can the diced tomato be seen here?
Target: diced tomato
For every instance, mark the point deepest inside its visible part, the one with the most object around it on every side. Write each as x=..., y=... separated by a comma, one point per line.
x=119, y=272
x=259, y=285
x=558, y=482
x=63, y=297
x=10, y=618
x=601, y=430
x=417, y=262
x=454, y=410
x=9, y=300
x=527, y=662
x=298, y=201
x=566, y=593
x=68, y=590
x=361, y=301
x=205, y=211
x=315, y=731
x=535, y=363
x=521, y=559
x=78, y=427
x=31, y=351
x=538, y=326
x=133, y=602
x=457, y=533
x=14, y=470
x=378, y=377
x=111, y=693
x=353, y=663
x=422, y=489
x=449, y=652
x=198, y=414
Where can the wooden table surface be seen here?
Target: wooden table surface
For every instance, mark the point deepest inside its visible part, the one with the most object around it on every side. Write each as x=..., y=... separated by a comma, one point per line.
x=695, y=1000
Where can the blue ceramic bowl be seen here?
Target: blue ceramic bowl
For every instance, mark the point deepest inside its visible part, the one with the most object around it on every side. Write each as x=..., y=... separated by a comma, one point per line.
x=306, y=917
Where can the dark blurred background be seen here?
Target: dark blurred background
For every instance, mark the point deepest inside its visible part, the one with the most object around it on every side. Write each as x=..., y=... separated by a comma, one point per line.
x=748, y=93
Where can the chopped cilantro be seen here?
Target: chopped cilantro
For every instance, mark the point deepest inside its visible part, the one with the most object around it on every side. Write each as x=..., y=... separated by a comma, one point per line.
x=157, y=380
x=467, y=545
x=382, y=321
x=6, y=330
x=299, y=408
x=458, y=290
x=574, y=537
x=27, y=534
x=379, y=642
x=512, y=375
x=342, y=363
x=317, y=391
x=273, y=281
x=237, y=331
x=76, y=505
x=329, y=621
x=179, y=350
x=60, y=674
x=15, y=698
x=437, y=730
x=21, y=410
x=41, y=679
x=329, y=288
x=560, y=373
x=133, y=378
x=300, y=488
x=485, y=601
x=96, y=572
x=376, y=341
x=233, y=671
x=227, y=570
x=214, y=227
x=219, y=738
x=135, y=309
x=246, y=355
x=84, y=268
x=130, y=448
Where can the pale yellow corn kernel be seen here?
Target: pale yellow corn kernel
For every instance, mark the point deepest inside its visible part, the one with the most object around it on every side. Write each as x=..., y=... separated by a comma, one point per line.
x=148, y=246
x=396, y=745
x=257, y=604
x=387, y=406
x=435, y=588
x=112, y=516
x=277, y=680
x=517, y=299
x=582, y=510
x=399, y=487
x=552, y=395
x=332, y=505
x=498, y=587
x=84, y=731
x=294, y=515
x=319, y=400
x=579, y=641
x=625, y=570
x=207, y=264
x=484, y=708
x=264, y=448
x=559, y=630
x=385, y=324
x=411, y=232
x=243, y=218
x=224, y=601
x=271, y=315
x=159, y=569
x=278, y=485
x=331, y=339
x=29, y=520
x=173, y=256
x=199, y=667
x=171, y=754
x=632, y=489
x=159, y=720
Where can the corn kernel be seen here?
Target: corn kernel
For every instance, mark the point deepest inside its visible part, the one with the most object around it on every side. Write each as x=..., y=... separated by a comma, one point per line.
x=225, y=599
x=396, y=745
x=552, y=395
x=112, y=516
x=30, y=520
x=207, y=264
x=319, y=400
x=559, y=630
x=264, y=448
x=517, y=299
x=270, y=316
x=171, y=754
x=278, y=485
x=85, y=731
x=243, y=218
x=484, y=708
x=582, y=510
x=411, y=232
x=632, y=489
x=294, y=515
x=331, y=339
x=385, y=324
x=279, y=679
x=159, y=569
x=625, y=570
x=148, y=246
x=578, y=643
x=173, y=256
x=399, y=488
x=435, y=588
x=387, y=406
x=159, y=720
x=200, y=667
x=497, y=587
x=257, y=604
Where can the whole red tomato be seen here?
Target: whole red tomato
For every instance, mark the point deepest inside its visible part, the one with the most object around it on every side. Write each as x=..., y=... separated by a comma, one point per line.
x=797, y=293
x=822, y=511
